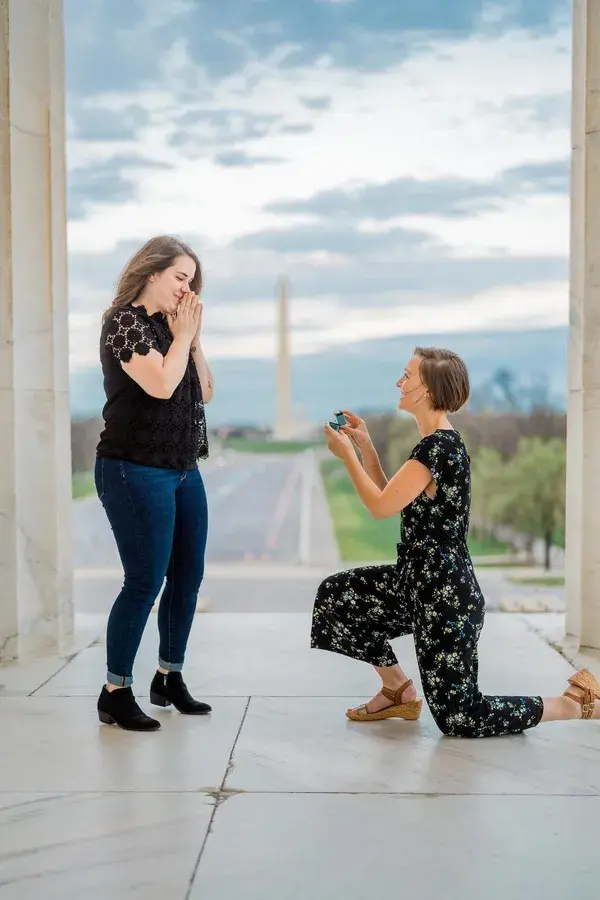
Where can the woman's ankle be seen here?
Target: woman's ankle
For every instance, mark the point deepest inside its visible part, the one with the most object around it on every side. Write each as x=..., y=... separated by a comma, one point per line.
x=114, y=687
x=408, y=694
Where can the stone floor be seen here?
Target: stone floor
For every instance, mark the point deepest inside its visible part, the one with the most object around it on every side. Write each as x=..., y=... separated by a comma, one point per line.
x=277, y=796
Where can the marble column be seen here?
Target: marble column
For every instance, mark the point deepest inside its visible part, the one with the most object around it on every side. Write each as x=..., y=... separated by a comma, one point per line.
x=36, y=610
x=583, y=429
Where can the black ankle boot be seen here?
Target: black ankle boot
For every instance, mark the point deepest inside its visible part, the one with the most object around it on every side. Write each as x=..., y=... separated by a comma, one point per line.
x=170, y=689
x=119, y=708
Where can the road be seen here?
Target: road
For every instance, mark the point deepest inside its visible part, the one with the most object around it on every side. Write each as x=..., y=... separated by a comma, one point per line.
x=255, y=508
x=260, y=508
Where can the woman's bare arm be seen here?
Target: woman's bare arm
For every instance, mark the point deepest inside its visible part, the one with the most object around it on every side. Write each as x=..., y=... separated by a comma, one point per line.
x=372, y=465
x=406, y=485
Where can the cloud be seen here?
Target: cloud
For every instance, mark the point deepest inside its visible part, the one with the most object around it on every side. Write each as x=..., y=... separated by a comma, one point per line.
x=217, y=130
x=316, y=102
x=500, y=232
x=379, y=161
x=110, y=182
x=330, y=238
x=453, y=197
x=106, y=125
x=110, y=44
x=237, y=159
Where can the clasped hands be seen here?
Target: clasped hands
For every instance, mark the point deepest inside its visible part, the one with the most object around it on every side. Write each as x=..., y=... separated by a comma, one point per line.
x=187, y=318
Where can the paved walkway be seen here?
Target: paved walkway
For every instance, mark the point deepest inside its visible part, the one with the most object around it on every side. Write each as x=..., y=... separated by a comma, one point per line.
x=277, y=796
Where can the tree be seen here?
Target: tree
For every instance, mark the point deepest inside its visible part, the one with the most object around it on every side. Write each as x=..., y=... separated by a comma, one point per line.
x=403, y=436
x=379, y=426
x=505, y=381
x=535, y=490
x=488, y=480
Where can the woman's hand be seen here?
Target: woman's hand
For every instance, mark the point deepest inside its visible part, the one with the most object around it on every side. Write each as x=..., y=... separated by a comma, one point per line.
x=187, y=320
x=337, y=443
x=356, y=429
x=201, y=305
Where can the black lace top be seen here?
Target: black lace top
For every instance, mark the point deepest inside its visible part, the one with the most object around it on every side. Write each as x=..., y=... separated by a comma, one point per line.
x=139, y=428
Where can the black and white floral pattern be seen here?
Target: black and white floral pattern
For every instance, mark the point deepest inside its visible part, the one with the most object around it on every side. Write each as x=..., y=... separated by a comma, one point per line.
x=432, y=593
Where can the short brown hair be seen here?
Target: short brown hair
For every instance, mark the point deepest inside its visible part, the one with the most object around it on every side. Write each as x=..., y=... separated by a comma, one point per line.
x=156, y=255
x=445, y=376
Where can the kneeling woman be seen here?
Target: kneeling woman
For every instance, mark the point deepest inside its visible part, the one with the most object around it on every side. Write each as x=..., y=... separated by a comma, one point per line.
x=432, y=592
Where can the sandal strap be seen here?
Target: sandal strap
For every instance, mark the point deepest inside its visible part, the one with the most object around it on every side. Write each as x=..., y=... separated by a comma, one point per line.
x=587, y=702
x=395, y=696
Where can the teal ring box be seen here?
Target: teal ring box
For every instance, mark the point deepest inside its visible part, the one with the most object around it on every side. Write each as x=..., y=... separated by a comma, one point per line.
x=340, y=421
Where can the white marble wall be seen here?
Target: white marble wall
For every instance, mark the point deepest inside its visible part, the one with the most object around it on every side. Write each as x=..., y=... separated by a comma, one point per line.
x=583, y=453
x=36, y=611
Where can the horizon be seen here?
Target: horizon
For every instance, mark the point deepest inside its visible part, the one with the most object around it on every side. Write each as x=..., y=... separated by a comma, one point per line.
x=364, y=376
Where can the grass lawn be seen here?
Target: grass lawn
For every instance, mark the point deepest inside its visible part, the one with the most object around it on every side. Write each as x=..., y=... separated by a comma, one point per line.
x=538, y=580
x=83, y=485
x=250, y=446
x=359, y=536
x=486, y=546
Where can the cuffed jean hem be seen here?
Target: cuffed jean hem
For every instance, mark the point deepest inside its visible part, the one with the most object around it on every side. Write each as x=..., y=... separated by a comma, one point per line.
x=119, y=680
x=170, y=667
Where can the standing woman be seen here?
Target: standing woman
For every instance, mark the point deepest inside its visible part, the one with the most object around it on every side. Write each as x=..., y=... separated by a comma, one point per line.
x=156, y=381
x=432, y=592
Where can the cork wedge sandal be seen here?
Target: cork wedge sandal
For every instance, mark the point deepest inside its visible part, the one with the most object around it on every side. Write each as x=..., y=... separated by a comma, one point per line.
x=398, y=710
x=589, y=684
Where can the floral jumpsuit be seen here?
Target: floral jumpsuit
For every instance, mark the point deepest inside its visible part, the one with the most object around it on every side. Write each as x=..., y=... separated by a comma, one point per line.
x=432, y=593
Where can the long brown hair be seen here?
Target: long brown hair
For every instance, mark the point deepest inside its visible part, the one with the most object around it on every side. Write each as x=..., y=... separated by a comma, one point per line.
x=156, y=255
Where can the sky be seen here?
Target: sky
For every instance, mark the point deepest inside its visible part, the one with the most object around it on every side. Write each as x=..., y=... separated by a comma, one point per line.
x=404, y=162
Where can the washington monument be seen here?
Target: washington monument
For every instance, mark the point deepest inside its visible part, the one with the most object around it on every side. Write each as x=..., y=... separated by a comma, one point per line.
x=284, y=422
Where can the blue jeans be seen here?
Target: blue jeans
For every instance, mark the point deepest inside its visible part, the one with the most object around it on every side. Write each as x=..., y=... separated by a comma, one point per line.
x=159, y=518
